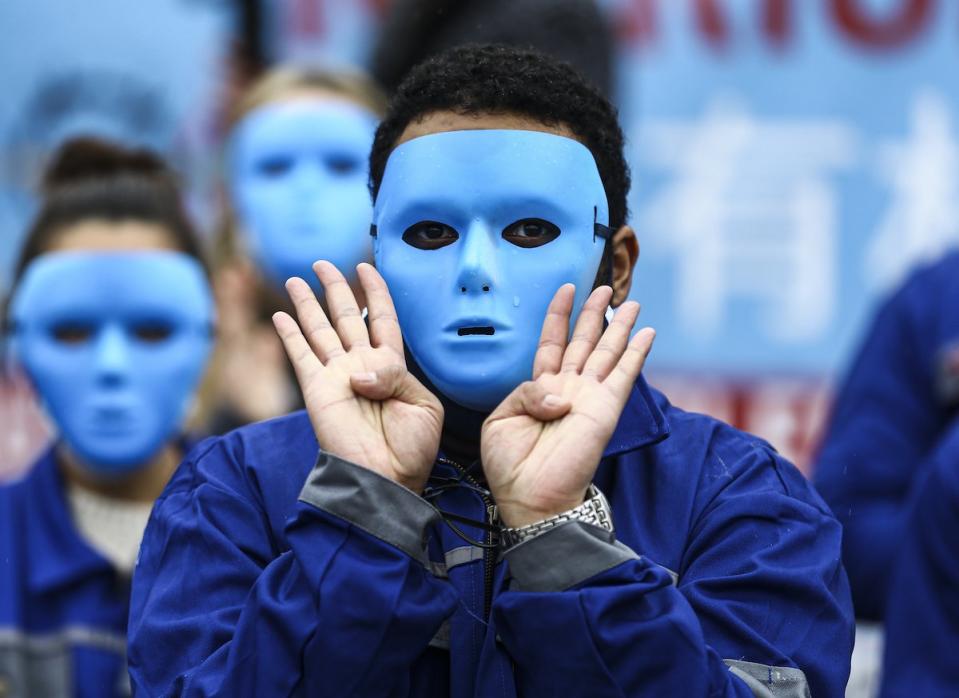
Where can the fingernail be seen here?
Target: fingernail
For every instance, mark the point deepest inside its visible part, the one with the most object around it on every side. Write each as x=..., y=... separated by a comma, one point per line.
x=552, y=401
x=364, y=377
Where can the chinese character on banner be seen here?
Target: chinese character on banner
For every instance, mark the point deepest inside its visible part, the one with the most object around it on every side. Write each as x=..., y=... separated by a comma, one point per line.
x=792, y=162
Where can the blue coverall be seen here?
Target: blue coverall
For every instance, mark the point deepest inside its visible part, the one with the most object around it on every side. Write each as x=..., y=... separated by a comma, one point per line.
x=63, y=606
x=269, y=569
x=892, y=411
x=922, y=615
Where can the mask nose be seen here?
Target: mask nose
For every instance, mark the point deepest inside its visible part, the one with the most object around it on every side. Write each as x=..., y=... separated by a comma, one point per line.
x=477, y=272
x=112, y=357
x=308, y=176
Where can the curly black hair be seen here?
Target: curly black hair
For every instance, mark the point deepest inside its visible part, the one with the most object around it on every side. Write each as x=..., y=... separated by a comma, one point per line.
x=491, y=79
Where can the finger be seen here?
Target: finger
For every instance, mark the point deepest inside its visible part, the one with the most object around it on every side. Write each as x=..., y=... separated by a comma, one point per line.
x=391, y=382
x=381, y=314
x=344, y=312
x=622, y=378
x=315, y=326
x=552, y=340
x=587, y=331
x=533, y=399
x=297, y=348
x=613, y=342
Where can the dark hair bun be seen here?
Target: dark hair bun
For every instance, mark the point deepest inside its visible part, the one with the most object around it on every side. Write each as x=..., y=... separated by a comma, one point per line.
x=86, y=158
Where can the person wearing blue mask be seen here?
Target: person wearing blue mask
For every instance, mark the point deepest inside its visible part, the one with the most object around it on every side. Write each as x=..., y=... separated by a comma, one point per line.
x=111, y=316
x=296, y=174
x=483, y=496
x=297, y=170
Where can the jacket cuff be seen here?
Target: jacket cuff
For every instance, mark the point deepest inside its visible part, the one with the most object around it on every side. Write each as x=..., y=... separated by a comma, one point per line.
x=381, y=507
x=564, y=556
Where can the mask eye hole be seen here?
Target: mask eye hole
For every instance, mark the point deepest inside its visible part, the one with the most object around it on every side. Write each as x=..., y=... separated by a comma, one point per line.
x=275, y=166
x=530, y=232
x=430, y=235
x=343, y=164
x=72, y=333
x=152, y=332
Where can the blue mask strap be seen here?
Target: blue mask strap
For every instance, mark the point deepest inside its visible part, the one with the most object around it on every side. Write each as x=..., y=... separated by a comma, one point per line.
x=605, y=232
x=600, y=230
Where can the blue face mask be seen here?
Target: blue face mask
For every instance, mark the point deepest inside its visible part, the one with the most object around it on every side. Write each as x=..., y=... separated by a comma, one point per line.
x=475, y=232
x=114, y=343
x=299, y=183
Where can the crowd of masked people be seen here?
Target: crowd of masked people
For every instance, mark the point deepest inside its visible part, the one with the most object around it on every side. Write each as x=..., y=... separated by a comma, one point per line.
x=436, y=467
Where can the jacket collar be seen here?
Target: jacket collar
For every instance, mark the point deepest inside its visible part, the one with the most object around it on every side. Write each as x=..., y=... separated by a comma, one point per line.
x=57, y=555
x=642, y=422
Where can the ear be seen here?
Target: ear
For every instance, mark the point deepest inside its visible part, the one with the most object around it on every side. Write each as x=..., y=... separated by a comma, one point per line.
x=625, y=253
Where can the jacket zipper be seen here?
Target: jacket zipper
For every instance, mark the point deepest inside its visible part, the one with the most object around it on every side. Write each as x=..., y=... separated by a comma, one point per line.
x=489, y=553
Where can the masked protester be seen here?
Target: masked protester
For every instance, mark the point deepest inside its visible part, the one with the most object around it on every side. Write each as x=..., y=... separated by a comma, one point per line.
x=111, y=316
x=297, y=170
x=296, y=173
x=484, y=497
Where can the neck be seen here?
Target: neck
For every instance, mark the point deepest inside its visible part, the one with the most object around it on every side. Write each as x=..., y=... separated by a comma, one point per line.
x=461, y=432
x=460, y=440
x=141, y=484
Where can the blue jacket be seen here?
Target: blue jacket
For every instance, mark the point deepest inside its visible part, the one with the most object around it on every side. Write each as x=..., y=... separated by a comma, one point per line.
x=63, y=607
x=922, y=615
x=895, y=405
x=270, y=570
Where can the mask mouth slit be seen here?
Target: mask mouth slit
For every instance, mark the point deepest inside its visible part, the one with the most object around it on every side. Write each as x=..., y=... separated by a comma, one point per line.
x=464, y=331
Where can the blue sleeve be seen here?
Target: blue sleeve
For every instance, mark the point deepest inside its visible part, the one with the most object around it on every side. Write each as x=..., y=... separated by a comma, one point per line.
x=761, y=607
x=885, y=420
x=218, y=609
x=922, y=620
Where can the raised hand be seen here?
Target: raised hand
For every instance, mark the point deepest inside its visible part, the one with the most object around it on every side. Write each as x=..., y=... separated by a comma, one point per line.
x=364, y=405
x=542, y=445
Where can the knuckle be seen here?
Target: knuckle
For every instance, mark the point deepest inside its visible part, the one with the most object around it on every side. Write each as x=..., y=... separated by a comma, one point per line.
x=606, y=348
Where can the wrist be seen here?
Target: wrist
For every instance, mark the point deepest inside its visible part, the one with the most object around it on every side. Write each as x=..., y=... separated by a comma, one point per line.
x=594, y=511
x=517, y=514
x=414, y=485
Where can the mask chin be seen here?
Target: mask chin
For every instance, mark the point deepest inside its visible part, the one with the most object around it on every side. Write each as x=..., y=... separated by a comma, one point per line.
x=113, y=459
x=477, y=388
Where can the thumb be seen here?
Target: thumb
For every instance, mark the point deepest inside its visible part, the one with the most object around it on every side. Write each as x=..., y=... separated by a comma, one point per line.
x=390, y=382
x=533, y=399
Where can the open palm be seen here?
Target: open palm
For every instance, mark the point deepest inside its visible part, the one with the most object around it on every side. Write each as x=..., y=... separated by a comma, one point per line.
x=365, y=407
x=542, y=445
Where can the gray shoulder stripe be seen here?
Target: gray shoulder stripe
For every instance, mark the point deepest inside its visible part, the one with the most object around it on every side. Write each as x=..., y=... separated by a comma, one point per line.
x=454, y=558
x=770, y=681
x=462, y=555
x=45, y=643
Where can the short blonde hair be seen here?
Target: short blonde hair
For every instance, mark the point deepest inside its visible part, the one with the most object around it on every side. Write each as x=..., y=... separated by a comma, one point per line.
x=278, y=83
